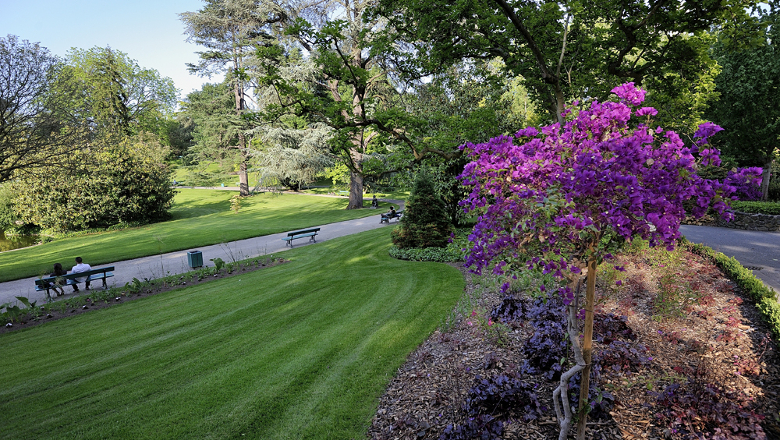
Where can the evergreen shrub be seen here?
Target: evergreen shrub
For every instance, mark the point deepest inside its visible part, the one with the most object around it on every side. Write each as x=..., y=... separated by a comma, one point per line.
x=425, y=222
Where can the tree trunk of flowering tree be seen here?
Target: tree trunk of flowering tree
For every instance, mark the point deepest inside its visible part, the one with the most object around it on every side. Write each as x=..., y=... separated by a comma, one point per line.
x=587, y=347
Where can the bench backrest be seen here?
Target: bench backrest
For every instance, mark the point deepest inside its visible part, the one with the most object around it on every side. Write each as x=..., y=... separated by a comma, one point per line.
x=305, y=231
x=73, y=276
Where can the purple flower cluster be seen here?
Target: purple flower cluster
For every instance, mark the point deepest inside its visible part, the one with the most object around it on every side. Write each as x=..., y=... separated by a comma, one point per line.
x=747, y=182
x=548, y=197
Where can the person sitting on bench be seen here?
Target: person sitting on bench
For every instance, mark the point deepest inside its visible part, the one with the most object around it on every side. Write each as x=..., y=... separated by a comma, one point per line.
x=392, y=213
x=56, y=286
x=78, y=268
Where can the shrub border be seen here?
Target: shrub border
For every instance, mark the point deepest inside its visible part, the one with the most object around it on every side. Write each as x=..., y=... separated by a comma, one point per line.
x=763, y=296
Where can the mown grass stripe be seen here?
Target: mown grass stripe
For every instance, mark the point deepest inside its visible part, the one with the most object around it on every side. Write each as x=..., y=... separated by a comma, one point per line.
x=300, y=350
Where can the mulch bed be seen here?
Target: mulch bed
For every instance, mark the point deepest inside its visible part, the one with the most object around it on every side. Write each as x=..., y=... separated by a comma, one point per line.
x=719, y=338
x=84, y=301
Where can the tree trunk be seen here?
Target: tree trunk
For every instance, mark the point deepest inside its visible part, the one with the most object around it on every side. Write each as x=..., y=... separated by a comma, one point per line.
x=355, y=190
x=243, y=179
x=587, y=347
x=765, y=176
x=560, y=104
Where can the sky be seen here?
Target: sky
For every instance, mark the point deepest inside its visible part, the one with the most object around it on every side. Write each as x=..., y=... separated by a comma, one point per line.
x=148, y=31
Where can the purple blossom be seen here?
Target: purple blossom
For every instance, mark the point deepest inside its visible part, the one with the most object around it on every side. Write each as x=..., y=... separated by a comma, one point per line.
x=704, y=132
x=746, y=182
x=646, y=111
x=555, y=190
x=629, y=93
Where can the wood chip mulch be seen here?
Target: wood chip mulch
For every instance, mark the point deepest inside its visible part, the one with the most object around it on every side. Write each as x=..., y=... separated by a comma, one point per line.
x=719, y=336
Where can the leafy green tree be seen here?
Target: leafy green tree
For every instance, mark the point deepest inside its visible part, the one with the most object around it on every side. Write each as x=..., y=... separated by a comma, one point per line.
x=564, y=50
x=215, y=124
x=348, y=91
x=749, y=87
x=39, y=129
x=118, y=95
x=232, y=30
x=424, y=223
x=124, y=183
x=291, y=154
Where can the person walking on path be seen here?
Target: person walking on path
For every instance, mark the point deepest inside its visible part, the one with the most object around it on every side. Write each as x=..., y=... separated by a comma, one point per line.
x=78, y=268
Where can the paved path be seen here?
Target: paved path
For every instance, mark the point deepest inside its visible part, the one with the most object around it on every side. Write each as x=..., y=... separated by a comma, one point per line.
x=759, y=251
x=172, y=263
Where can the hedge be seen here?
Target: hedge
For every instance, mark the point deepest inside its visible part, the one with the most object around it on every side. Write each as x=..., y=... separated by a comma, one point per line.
x=771, y=208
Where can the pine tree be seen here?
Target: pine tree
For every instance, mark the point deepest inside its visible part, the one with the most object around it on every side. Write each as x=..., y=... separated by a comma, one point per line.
x=425, y=222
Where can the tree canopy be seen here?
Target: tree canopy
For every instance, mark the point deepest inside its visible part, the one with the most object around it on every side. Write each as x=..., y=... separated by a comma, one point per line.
x=38, y=128
x=232, y=30
x=564, y=50
x=749, y=89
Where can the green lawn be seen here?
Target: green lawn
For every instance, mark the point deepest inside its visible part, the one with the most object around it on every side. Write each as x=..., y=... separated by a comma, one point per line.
x=298, y=351
x=200, y=218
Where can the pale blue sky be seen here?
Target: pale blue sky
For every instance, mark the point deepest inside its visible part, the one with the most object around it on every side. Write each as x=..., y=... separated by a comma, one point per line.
x=149, y=31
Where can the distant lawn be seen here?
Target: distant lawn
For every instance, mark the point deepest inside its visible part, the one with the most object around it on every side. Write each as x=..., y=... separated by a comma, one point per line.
x=200, y=218
x=298, y=351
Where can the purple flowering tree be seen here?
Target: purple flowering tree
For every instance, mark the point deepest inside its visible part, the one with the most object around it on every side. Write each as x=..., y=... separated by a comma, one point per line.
x=561, y=199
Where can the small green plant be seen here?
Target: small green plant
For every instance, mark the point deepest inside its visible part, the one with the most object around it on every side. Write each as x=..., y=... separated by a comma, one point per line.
x=134, y=286
x=218, y=263
x=235, y=203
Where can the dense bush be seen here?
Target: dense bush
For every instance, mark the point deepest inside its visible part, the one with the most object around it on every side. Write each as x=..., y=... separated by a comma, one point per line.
x=771, y=208
x=119, y=184
x=425, y=222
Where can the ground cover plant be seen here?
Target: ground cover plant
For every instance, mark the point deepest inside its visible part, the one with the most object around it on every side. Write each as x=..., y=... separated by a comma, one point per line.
x=299, y=350
x=699, y=366
x=200, y=217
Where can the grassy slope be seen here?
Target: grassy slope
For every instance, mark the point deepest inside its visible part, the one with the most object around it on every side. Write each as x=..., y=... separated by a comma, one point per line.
x=301, y=350
x=200, y=217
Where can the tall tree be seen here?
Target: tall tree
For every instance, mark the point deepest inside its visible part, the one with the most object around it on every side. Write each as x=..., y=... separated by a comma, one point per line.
x=38, y=127
x=216, y=125
x=564, y=50
x=352, y=90
x=749, y=87
x=348, y=91
x=119, y=95
x=232, y=30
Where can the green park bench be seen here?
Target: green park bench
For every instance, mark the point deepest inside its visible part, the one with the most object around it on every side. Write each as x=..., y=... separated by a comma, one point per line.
x=301, y=234
x=70, y=279
x=385, y=217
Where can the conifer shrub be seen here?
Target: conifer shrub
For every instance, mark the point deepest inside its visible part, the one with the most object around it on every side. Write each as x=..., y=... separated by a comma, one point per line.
x=425, y=222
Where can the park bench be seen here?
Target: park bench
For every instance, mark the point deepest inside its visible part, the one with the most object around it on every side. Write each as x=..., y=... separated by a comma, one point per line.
x=385, y=217
x=301, y=234
x=70, y=279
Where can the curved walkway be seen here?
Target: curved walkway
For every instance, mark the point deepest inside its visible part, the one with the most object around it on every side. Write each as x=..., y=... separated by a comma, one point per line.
x=756, y=250
x=157, y=266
